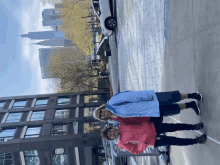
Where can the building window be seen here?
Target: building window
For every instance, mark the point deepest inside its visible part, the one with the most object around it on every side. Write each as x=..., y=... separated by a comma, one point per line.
x=89, y=111
x=6, y=134
x=91, y=98
x=92, y=127
x=75, y=127
x=41, y=102
x=37, y=115
x=19, y=104
x=63, y=101
x=62, y=113
x=2, y=105
x=6, y=158
x=32, y=132
x=31, y=157
x=59, y=156
x=59, y=130
x=13, y=117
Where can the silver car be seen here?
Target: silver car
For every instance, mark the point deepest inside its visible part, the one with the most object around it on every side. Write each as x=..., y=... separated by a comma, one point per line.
x=104, y=11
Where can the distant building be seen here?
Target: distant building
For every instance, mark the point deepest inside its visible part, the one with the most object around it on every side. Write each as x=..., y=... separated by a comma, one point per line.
x=51, y=17
x=56, y=42
x=42, y=35
x=51, y=129
x=58, y=8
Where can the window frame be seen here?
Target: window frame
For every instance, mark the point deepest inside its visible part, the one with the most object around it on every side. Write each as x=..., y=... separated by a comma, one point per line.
x=41, y=105
x=3, y=104
x=65, y=97
x=19, y=106
x=6, y=137
x=35, y=112
x=59, y=133
x=29, y=136
x=54, y=155
x=3, y=159
x=13, y=113
x=32, y=156
x=61, y=110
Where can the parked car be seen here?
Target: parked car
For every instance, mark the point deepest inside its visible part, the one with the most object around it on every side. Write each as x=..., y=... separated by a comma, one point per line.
x=104, y=11
x=104, y=47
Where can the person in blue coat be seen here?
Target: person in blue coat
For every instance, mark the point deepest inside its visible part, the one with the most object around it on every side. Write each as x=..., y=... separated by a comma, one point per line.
x=146, y=103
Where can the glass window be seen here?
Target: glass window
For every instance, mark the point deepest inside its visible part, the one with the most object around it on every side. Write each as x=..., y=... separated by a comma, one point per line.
x=75, y=127
x=92, y=127
x=31, y=157
x=6, y=158
x=6, y=134
x=2, y=105
x=37, y=115
x=59, y=156
x=59, y=130
x=89, y=111
x=64, y=101
x=13, y=117
x=32, y=132
x=91, y=98
x=62, y=113
x=41, y=102
x=19, y=104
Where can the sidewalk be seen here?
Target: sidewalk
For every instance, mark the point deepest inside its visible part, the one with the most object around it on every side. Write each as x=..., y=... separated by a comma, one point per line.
x=141, y=45
x=190, y=62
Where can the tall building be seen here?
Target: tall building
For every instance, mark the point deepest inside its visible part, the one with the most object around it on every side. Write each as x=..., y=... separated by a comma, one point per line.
x=42, y=35
x=56, y=42
x=51, y=17
x=51, y=129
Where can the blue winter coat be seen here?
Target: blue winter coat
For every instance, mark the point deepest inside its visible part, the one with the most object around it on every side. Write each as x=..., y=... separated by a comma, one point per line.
x=134, y=104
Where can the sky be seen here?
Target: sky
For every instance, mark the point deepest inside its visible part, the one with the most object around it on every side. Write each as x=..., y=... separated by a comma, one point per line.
x=19, y=64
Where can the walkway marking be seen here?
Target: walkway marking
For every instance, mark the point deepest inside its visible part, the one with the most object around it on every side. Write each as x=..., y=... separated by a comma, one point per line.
x=213, y=140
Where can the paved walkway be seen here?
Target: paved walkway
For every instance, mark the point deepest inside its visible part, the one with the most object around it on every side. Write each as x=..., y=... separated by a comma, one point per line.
x=141, y=44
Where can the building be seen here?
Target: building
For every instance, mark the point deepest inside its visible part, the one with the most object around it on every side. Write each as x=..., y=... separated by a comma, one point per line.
x=56, y=42
x=43, y=35
x=51, y=129
x=58, y=8
x=51, y=17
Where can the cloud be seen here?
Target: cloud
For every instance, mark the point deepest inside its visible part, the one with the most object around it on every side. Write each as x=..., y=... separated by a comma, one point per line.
x=31, y=21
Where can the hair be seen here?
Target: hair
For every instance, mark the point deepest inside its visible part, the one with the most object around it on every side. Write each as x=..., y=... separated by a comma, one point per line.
x=96, y=113
x=104, y=133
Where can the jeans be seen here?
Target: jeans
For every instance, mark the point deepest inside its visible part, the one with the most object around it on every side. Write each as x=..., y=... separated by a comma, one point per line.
x=169, y=140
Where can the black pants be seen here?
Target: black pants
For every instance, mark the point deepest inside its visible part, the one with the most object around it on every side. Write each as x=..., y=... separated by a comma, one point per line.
x=167, y=105
x=169, y=140
x=167, y=102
